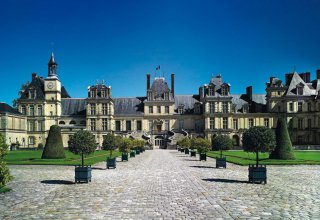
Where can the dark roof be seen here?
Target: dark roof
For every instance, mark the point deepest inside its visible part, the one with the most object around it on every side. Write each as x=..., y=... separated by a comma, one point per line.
x=5, y=108
x=187, y=101
x=297, y=80
x=159, y=87
x=72, y=106
x=38, y=85
x=128, y=106
x=64, y=93
x=257, y=104
x=52, y=60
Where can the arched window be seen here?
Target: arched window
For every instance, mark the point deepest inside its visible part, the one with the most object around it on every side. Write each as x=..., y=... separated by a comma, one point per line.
x=73, y=122
x=62, y=123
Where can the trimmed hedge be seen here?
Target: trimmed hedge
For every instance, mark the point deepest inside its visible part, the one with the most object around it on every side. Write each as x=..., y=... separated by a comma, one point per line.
x=54, y=146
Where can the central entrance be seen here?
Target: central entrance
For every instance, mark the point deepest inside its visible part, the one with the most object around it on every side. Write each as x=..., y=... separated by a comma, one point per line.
x=159, y=142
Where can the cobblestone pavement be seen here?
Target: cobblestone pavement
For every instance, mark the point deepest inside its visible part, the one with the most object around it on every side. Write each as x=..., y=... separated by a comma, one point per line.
x=162, y=184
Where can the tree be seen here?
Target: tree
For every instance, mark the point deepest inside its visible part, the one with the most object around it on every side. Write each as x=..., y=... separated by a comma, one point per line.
x=54, y=145
x=125, y=145
x=221, y=142
x=283, y=150
x=258, y=139
x=184, y=143
x=82, y=143
x=5, y=176
x=23, y=87
x=111, y=143
x=201, y=144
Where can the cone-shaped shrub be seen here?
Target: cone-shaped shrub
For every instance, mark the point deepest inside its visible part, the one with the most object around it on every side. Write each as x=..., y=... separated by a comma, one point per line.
x=54, y=146
x=283, y=150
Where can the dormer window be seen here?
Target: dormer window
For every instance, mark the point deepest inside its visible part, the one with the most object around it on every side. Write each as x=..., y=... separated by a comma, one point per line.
x=32, y=94
x=93, y=93
x=300, y=90
x=23, y=109
x=180, y=109
x=103, y=93
x=224, y=91
x=211, y=91
x=166, y=96
x=197, y=108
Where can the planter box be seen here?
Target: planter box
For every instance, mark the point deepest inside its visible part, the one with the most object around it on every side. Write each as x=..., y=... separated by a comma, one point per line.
x=182, y=150
x=186, y=151
x=132, y=154
x=257, y=174
x=83, y=174
x=193, y=154
x=203, y=157
x=124, y=157
x=111, y=163
x=221, y=162
x=137, y=152
x=178, y=148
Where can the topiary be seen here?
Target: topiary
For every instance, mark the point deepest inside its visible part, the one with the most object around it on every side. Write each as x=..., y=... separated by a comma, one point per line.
x=184, y=143
x=111, y=143
x=221, y=143
x=54, y=145
x=201, y=144
x=125, y=145
x=5, y=176
x=283, y=150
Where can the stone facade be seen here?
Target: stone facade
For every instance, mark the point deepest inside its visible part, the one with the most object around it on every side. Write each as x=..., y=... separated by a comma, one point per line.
x=163, y=117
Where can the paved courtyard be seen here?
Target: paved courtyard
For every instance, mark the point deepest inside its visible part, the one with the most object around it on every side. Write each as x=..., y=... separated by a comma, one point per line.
x=162, y=184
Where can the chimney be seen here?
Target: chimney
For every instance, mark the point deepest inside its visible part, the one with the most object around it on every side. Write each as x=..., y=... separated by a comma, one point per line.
x=148, y=81
x=201, y=92
x=288, y=78
x=307, y=77
x=271, y=79
x=249, y=92
x=318, y=74
x=172, y=84
x=34, y=75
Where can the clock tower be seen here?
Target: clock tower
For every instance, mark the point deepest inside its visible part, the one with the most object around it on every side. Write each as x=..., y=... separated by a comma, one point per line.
x=52, y=89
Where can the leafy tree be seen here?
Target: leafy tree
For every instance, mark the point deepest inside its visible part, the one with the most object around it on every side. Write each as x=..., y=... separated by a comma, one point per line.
x=5, y=176
x=54, y=145
x=258, y=139
x=184, y=143
x=82, y=143
x=125, y=145
x=201, y=144
x=111, y=143
x=221, y=142
x=283, y=150
x=22, y=89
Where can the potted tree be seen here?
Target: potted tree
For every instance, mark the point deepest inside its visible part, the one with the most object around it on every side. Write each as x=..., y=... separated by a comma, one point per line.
x=124, y=148
x=203, y=146
x=258, y=139
x=110, y=143
x=142, y=146
x=221, y=143
x=5, y=176
x=193, y=150
x=185, y=144
x=82, y=143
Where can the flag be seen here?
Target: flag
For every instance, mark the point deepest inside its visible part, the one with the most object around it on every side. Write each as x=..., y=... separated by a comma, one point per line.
x=158, y=67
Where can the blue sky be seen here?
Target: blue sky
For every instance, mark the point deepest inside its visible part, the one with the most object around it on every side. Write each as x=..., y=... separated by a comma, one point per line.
x=121, y=41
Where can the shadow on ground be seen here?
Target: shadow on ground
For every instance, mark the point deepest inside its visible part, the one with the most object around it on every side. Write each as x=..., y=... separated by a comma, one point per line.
x=98, y=168
x=203, y=167
x=191, y=160
x=58, y=182
x=183, y=156
x=225, y=180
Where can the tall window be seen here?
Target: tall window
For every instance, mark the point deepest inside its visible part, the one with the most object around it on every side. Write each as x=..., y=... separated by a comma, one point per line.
x=167, y=125
x=167, y=109
x=251, y=122
x=93, y=93
x=31, y=126
x=118, y=126
x=150, y=125
x=309, y=123
x=300, y=90
x=291, y=106
x=150, y=109
x=139, y=125
x=32, y=94
x=31, y=140
x=104, y=109
x=23, y=109
x=224, y=91
x=235, y=124
x=103, y=93
x=299, y=106
x=128, y=125
x=212, y=126
x=93, y=109
x=159, y=109
x=225, y=107
x=212, y=107
x=300, y=123
x=31, y=110
x=39, y=110
x=40, y=126
x=211, y=92
x=225, y=123
x=104, y=124
x=266, y=122
x=93, y=124
x=309, y=106
x=180, y=109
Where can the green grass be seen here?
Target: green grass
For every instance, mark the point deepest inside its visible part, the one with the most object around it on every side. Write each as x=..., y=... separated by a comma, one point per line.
x=4, y=189
x=28, y=157
x=245, y=158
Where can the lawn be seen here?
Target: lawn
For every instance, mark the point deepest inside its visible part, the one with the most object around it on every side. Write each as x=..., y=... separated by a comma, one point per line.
x=33, y=157
x=245, y=158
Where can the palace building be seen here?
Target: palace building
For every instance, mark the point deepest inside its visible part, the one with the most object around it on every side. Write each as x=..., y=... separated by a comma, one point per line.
x=162, y=117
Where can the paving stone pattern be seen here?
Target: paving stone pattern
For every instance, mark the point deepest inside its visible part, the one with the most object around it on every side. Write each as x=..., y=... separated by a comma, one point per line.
x=162, y=184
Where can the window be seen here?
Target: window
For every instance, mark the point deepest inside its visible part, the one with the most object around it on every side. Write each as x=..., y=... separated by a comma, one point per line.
x=167, y=125
x=39, y=110
x=118, y=126
x=180, y=109
x=212, y=126
x=139, y=125
x=210, y=92
x=224, y=91
x=212, y=107
x=150, y=109
x=167, y=109
x=104, y=109
x=250, y=122
x=92, y=124
x=93, y=93
x=166, y=96
x=103, y=93
x=31, y=140
x=235, y=124
x=31, y=126
x=300, y=123
x=309, y=123
x=32, y=94
x=225, y=107
x=40, y=126
x=299, y=106
x=300, y=90
x=73, y=122
x=104, y=124
x=159, y=109
x=291, y=106
x=93, y=109
x=150, y=125
x=279, y=93
x=225, y=123
x=31, y=110
x=128, y=125
x=309, y=106
x=62, y=123
x=266, y=122
x=181, y=124
x=23, y=109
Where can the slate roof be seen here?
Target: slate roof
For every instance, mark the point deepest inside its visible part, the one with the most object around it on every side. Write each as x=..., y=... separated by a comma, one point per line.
x=72, y=106
x=159, y=87
x=258, y=102
x=64, y=93
x=128, y=106
x=5, y=108
x=296, y=80
x=38, y=85
x=187, y=101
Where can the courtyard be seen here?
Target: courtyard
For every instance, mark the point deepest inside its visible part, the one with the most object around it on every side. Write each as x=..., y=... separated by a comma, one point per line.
x=162, y=184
